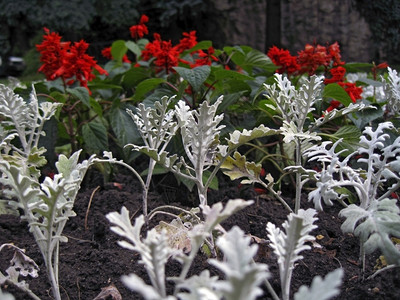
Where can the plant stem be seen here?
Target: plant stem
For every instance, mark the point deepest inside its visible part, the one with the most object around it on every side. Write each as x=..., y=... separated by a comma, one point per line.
x=24, y=289
x=152, y=164
x=298, y=176
x=271, y=290
x=278, y=196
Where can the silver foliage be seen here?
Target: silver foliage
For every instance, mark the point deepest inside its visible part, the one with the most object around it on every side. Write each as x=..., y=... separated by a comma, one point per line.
x=288, y=244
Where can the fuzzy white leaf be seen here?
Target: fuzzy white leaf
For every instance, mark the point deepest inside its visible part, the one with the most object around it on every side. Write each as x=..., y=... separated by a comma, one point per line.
x=375, y=226
x=291, y=133
x=238, y=138
x=200, y=130
x=6, y=296
x=321, y=289
x=243, y=276
x=392, y=89
x=295, y=105
x=154, y=249
x=155, y=124
x=287, y=245
x=136, y=284
x=200, y=287
x=217, y=213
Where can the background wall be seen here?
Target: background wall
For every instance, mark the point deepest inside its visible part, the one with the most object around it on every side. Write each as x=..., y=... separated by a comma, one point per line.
x=366, y=30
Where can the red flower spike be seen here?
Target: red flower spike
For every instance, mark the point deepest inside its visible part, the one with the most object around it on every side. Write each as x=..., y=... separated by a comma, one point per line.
x=288, y=63
x=66, y=61
x=205, y=58
x=312, y=57
x=260, y=191
x=188, y=41
x=334, y=52
x=138, y=31
x=334, y=104
x=383, y=65
x=166, y=56
x=337, y=75
x=353, y=90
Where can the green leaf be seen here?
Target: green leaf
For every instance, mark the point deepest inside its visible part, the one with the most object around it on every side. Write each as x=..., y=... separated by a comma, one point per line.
x=237, y=167
x=118, y=50
x=196, y=76
x=123, y=125
x=358, y=67
x=81, y=93
x=133, y=77
x=350, y=135
x=367, y=115
x=97, y=108
x=101, y=85
x=214, y=181
x=203, y=45
x=133, y=47
x=258, y=59
x=225, y=74
x=234, y=86
x=146, y=86
x=338, y=93
x=238, y=138
x=95, y=136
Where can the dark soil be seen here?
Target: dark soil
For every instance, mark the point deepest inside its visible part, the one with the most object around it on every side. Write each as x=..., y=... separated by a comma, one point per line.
x=92, y=260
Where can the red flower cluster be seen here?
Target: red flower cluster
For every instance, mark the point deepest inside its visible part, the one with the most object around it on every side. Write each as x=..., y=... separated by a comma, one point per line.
x=138, y=31
x=167, y=56
x=106, y=52
x=163, y=54
x=280, y=57
x=338, y=76
x=307, y=61
x=66, y=61
x=205, y=58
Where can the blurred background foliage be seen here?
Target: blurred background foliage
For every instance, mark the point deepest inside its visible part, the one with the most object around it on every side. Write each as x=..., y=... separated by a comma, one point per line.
x=100, y=22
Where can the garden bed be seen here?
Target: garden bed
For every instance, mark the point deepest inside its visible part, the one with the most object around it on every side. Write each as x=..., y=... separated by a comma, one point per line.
x=92, y=260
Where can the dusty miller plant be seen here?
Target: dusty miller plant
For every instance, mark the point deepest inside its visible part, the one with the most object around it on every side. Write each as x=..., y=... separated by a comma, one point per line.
x=375, y=219
x=242, y=276
x=155, y=251
x=199, y=130
x=46, y=205
x=392, y=90
x=156, y=126
x=287, y=246
x=299, y=128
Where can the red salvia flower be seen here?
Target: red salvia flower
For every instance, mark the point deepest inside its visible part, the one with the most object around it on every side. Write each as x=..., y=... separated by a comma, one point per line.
x=138, y=31
x=280, y=57
x=334, y=53
x=188, y=41
x=52, y=51
x=375, y=69
x=337, y=75
x=166, y=56
x=334, y=104
x=205, y=58
x=70, y=63
x=351, y=89
x=312, y=57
